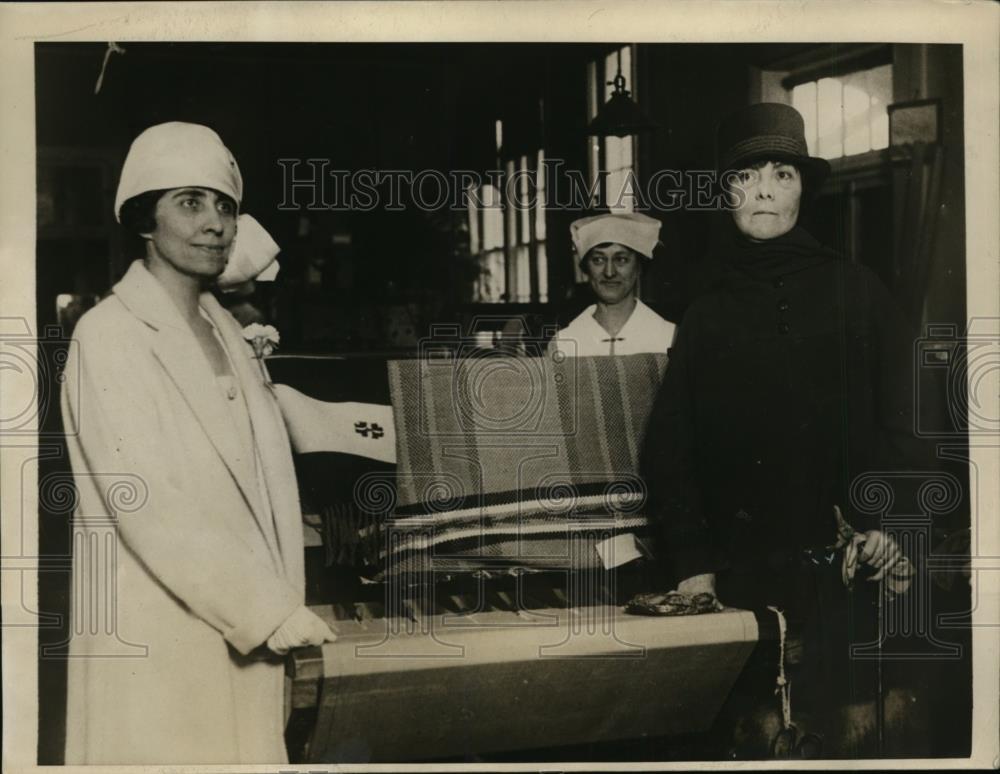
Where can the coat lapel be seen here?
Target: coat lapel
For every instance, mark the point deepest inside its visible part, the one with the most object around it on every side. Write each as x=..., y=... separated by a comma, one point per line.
x=271, y=439
x=180, y=354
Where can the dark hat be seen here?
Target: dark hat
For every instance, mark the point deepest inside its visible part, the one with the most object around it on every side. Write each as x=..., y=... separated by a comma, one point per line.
x=767, y=131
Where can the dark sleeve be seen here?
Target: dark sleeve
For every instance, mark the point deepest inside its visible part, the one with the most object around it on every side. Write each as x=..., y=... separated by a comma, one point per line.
x=670, y=466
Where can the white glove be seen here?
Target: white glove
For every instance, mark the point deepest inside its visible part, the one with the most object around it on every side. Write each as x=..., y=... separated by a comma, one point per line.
x=303, y=627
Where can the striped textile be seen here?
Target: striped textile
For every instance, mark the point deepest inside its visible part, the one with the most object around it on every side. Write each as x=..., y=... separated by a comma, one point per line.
x=489, y=462
x=523, y=462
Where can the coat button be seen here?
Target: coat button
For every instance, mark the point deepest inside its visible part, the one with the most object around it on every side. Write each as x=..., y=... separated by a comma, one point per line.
x=783, y=328
x=783, y=305
x=779, y=283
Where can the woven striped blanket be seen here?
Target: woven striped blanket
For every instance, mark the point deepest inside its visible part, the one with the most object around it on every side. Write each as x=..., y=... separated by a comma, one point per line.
x=527, y=461
x=500, y=462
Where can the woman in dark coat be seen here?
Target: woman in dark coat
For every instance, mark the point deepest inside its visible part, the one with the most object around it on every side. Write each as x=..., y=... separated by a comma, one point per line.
x=787, y=380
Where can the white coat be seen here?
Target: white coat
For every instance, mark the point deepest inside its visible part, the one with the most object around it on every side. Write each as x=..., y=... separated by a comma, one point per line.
x=644, y=331
x=181, y=569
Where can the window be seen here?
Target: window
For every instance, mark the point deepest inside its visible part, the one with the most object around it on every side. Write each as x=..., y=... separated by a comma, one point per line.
x=527, y=217
x=843, y=93
x=486, y=241
x=507, y=231
x=613, y=155
x=846, y=115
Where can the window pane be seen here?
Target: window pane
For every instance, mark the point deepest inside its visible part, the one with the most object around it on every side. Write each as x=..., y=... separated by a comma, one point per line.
x=498, y=269
x=621, y=197
x=880, y=88
x=540, y=204
x=618, y=162
x=857, y=113
x=610, y=71
x=846, y=115
x=627, y=155
x=543, y=273
x=594, y=157
x=804, y=100
x=524, y=202
x=492, y=278
x=510, y=210
x=830, y=99
x=474, y=244
x=613, y=153
x=523, y=292
x=615, y=198
x=492, y=217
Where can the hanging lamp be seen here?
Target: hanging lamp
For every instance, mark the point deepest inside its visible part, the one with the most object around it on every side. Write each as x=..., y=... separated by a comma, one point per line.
x=619, y=116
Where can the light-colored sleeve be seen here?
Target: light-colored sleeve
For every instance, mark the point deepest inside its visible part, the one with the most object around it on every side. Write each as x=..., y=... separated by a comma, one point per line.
x=113, y=429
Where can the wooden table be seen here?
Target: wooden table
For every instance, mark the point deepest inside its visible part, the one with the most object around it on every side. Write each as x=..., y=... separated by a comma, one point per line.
x=418, y=688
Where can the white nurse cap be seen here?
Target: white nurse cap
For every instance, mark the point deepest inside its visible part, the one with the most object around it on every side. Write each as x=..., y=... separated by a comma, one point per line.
x=640, y=232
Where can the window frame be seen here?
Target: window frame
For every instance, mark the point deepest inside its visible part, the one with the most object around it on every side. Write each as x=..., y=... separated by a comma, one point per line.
x=774, y=83
x=517, y=221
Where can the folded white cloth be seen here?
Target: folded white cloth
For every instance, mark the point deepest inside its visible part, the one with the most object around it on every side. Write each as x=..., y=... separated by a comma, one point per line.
x=252, y=256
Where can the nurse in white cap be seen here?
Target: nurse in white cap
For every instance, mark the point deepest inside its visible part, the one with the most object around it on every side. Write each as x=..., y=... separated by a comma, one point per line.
x=202, y=560
x=612, y=249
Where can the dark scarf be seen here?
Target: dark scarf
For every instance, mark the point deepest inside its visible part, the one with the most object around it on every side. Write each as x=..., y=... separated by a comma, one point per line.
x=744, y=260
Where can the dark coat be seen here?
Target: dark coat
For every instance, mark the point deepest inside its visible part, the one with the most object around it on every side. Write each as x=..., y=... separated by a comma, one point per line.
x=786, y=381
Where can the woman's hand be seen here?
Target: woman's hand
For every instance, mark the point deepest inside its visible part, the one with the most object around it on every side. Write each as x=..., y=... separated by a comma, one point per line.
x=881, y=552
x=301, y=628
x=698, y=584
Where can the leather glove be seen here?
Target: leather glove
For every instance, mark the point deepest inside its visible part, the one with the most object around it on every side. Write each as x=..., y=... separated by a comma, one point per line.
x=301, y=628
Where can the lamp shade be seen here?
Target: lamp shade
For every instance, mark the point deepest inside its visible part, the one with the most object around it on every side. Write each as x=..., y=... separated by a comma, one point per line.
x=620, y=116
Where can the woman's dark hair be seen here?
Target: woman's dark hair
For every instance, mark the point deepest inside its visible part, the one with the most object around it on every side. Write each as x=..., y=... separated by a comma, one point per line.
x=138, y=214
x=810, y=182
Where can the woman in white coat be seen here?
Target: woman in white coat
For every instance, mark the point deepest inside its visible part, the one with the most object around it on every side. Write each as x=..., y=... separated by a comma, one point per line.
x=612, y=249
x=199, y=566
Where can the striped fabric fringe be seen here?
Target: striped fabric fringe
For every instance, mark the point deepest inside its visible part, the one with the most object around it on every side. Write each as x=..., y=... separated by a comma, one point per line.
x=351, y=536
